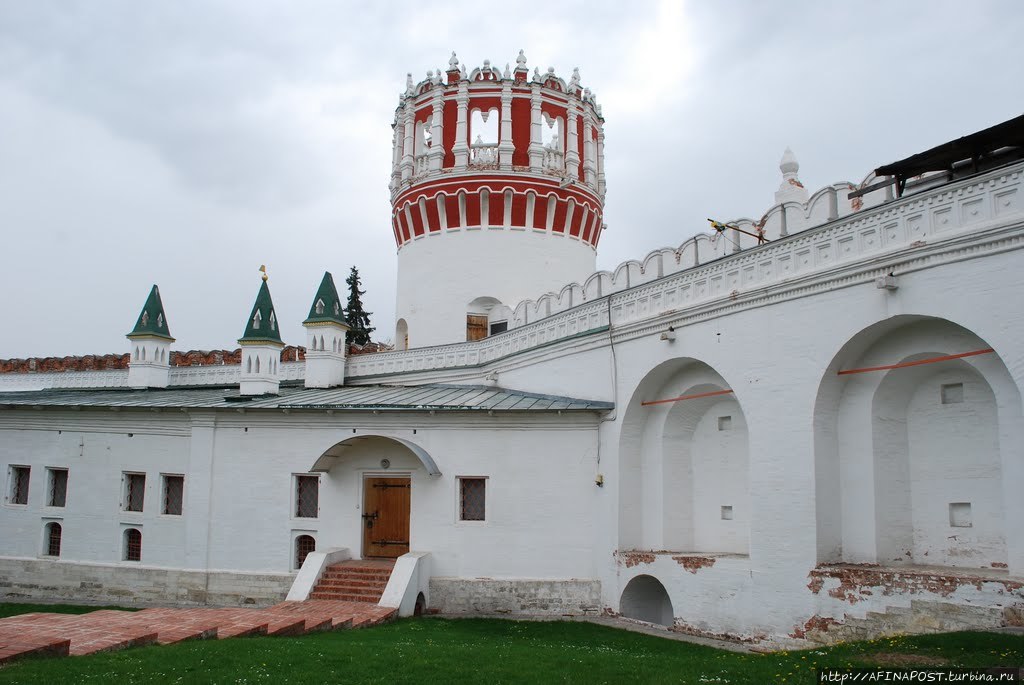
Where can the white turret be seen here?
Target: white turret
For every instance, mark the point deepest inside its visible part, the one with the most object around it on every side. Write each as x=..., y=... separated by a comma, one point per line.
x=325, y=338
x=149, y=361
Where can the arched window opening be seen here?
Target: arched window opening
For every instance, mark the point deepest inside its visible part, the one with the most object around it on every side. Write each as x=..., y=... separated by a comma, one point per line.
x=257, y=318
x=53, y=533
x=304, y=544
x=483, y=134
x=273, y=321
x=248, y=365
x=319, y=308
x=133, y=545
x=257, y=364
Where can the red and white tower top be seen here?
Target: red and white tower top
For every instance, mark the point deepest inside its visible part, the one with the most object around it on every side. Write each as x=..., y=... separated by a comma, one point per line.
x=496, y=153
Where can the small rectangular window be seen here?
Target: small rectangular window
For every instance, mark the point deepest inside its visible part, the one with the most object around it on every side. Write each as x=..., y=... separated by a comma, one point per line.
x=58, y=488
x=307, y=496
x=19, y=485
x=174, y=488
x=499, y=327
x=960, y=515
x=134, y=491
x=472, y=499
x=726, y=512
x=953, y=393
x=724, y=423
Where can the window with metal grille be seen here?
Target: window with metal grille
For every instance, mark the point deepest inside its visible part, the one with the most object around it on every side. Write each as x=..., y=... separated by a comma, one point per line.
x=174, y=488
x=134, y=491
x=53, y=531
x=19, y=484
x=133, y=545
x=307, y=496
x=471, y=499
x=58, y=490
x=304, y=544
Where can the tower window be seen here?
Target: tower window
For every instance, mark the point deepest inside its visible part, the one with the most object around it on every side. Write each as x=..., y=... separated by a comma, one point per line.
x=319, y=307
x=57, y=491
x=256, y=319
x=337, y=309
x=160, y=320
x=145, y=318
x=273, y=321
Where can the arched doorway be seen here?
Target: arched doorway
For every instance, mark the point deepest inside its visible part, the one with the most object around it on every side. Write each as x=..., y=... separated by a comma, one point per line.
x=645, y=598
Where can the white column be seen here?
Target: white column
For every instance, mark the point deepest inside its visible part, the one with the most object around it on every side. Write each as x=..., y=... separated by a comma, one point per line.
x=505, y=145
x=397, y=141
x=572, y=152
x=407, y=150
x=600, y=161
x=589, y=165
x=461, y=146
x=197, y=511
x=436, y=154
x=536, y=132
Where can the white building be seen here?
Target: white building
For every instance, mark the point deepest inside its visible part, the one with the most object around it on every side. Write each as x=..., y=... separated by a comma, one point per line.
x=823, y=432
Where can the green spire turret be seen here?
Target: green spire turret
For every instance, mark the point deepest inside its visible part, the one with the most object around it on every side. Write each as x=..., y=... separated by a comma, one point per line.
x=152, y=321
x=262, y=325
x=326, y=307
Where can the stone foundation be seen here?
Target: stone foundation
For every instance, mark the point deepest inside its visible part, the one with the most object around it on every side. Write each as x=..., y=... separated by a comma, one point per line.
x=534, y=597
x=44, y=580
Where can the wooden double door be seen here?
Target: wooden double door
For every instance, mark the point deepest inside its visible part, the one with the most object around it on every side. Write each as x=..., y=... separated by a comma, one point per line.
x=386, y=517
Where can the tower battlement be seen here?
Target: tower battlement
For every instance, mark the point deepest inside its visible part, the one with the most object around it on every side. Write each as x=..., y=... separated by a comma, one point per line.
x=512, y=163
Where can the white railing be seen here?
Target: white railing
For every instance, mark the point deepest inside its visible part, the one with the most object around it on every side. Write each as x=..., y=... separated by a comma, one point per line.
x=483, y=154
x=422, y=165
x=554, y=160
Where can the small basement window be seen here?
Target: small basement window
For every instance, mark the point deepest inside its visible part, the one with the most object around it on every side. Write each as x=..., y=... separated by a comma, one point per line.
x=304, y=544
x=53, y=533
x=133, y=545
x=134, y=491
x=960, y=515
x=174, y=490
x=307, y=497
x=724, y=423
x=472, y=502
x=18, y=491
x=57, y=492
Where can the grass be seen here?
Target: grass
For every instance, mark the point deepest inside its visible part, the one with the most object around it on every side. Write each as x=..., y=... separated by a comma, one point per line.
x=435, y=651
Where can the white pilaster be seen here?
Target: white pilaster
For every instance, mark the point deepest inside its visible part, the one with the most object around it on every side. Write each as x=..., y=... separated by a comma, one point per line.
x=536, y=132
x=572, y=144
x=408, y=163
x=505, y=145
x=461, y=146
x=436, y=154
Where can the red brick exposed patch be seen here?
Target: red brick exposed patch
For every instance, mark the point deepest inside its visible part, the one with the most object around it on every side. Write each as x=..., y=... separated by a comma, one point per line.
x=108, y=362
x=859, y=581
x=817, y=623
x=687, y=629
x=694, y=564
x=999, y=564
x=631, y=559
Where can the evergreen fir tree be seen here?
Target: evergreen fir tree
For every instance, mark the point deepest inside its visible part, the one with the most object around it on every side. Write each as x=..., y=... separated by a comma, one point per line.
x=357, y=319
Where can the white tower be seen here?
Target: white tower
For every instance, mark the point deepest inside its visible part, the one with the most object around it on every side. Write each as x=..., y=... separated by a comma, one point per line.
x=497, y=194
x=261, y=347
x=325, y=338
x=149, y=364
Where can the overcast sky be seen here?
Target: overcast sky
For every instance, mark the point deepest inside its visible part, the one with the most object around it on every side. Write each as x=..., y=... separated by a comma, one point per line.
x=186, y=143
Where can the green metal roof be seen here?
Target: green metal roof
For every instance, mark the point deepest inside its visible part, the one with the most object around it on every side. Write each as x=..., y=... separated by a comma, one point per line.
x=328, y=302
x=152, y=320
x=359, y=397
x=262, y=325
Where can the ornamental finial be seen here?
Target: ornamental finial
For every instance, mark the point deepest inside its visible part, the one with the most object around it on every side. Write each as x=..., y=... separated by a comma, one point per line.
x=263, y=270
x=536, y=74
x=408, y=83
x=508, y=72
x=521, y=60
x=453, y=62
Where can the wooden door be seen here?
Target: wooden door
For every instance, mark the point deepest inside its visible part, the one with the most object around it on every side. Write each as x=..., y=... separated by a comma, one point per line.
x=386, y=517
x=476, y=327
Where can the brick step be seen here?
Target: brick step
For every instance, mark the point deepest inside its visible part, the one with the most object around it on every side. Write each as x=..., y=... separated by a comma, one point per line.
x=17, y=646
x=356, y=577
x=361, y=570
x=344, y=597
x=378, y=587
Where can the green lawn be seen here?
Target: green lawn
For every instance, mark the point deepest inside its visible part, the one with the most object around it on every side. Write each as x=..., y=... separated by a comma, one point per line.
x=435, y=651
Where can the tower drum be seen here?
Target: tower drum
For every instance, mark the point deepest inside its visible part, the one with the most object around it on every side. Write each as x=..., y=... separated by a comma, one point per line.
x=497, y=195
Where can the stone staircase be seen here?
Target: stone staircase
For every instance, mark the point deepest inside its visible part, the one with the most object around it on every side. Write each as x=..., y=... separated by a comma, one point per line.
x=354, y=581
x=919, y=618
x=108, y=630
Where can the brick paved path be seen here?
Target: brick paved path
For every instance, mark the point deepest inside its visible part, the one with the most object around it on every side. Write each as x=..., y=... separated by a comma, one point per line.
x=106, y=630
